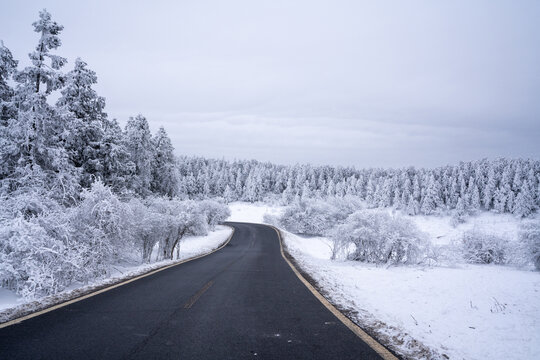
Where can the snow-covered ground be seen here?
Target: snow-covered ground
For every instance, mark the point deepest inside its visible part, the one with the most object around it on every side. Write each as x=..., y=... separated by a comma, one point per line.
x=462, y=311
x=441, y=231
x=252, y=213
x=465, y=312
x=189, y=247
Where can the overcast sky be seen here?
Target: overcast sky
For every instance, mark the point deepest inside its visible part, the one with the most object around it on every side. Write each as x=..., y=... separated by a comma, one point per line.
x=363, y=83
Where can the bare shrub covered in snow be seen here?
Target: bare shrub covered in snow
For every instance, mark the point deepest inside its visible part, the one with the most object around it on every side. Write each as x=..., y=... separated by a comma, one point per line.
x=147, y=228
x=315, y=216
x=483, y=248
x=529, y=237
x=214, y=212
x=42, y=254
x=166, y=222
x=32, y=263
x=378, y=237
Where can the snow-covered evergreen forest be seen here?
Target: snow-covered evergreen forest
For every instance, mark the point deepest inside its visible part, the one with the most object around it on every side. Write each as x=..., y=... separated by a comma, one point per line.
x=78, y=191
x=502, y=186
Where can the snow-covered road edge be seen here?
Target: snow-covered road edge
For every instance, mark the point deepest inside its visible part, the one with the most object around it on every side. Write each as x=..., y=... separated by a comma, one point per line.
x=19, y=312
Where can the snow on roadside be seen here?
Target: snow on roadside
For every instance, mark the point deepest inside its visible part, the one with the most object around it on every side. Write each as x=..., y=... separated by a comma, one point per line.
x=252, y=212
x=12, y=305
x=465, y=312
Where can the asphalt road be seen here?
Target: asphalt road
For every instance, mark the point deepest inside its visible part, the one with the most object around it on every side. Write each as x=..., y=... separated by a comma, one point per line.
x=241, y=302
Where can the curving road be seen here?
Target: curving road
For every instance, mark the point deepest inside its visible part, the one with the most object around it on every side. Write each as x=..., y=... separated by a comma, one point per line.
x=241, y=302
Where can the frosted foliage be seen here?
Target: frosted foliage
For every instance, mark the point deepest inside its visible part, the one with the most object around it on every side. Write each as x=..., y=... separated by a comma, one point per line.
x=83, y=111
x=484, y=248
x=164, y=173
x=214, y=212
x=138, y=142
x=529, y=237
x=316, y=217
x=7, y=67
x=43, y=254
x=30, y=260
x=107, y=219
x=33, y=138
x=78, y=95
x=377, y=237
x=43, y=72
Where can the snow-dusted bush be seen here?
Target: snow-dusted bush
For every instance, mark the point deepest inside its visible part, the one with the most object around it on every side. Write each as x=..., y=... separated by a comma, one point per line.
x=483, y=248
x=315, y=216
x=147, y=228
x=102, y=221
x=32, y=263
x=529, y=237
x=31, y=200
x=41, y=254
x=166, y=222
x=193, y=218
x=214, y=211
x=377, y=237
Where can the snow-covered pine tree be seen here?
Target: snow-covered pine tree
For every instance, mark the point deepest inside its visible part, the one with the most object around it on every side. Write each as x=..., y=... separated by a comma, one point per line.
x=228, y=194
x=85, y=117
x=306, y=191
x=117, y=166
x=489, y=190
x=432, y=198
x=331, y=188
x=524, y=203
x=459, y=213
x=164, y=173
x=38, y=133
x=288, y=194
x=475, y=205
x=138, y=142
x=7, y=108
x=7, y=67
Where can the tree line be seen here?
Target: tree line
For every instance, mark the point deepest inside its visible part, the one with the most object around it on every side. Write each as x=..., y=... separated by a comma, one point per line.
x=501, y=185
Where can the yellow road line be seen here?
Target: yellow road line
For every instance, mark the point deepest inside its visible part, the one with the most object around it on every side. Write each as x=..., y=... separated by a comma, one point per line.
x=372, y=343
x=69, y=302
x=197, y=295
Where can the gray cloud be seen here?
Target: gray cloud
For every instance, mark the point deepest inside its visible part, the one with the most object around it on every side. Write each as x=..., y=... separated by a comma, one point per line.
x=349, y=82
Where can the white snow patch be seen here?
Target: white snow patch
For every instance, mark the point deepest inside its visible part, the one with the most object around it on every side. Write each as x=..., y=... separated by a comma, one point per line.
x=252, y=212
x=9, y=299
x=441, y=231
